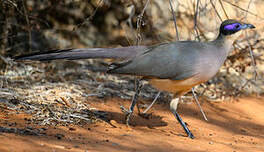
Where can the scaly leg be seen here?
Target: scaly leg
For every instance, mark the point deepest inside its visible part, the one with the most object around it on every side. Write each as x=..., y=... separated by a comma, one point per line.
x=147, y=109
x=197, y=102
x=194, y=95
x=173, y=108
x=133, y=102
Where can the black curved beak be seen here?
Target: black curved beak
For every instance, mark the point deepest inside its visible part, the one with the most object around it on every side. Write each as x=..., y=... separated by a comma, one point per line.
x=247, y=26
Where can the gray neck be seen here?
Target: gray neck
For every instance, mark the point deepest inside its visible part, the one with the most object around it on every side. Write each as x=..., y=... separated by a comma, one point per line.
x=220, y=40
x=223, y=43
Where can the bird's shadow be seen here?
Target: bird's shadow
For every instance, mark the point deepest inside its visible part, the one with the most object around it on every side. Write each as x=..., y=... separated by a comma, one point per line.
x=151, y=121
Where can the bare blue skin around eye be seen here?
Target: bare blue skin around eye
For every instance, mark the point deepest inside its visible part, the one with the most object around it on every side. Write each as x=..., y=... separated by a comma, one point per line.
x=233, y=26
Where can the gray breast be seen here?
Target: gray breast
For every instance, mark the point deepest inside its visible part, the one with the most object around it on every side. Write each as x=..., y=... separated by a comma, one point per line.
x=210, y=61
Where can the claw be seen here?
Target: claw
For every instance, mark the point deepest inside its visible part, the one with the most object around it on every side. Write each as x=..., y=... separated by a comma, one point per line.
x=128, y=114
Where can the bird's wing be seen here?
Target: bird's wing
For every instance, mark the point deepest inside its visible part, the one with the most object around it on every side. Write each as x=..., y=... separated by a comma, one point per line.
x=166, y=61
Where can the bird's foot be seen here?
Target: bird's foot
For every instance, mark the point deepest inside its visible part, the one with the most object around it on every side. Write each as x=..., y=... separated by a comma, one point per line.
x=190, y=135
x=127, y=113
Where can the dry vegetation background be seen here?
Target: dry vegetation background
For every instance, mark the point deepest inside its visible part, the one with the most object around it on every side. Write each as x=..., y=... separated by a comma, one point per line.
x=55, y=92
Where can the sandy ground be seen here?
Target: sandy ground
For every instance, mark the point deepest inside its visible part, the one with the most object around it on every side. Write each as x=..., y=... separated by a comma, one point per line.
x=233, y=127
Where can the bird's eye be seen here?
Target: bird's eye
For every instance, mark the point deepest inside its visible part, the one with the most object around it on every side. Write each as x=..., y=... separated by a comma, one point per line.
x=237, y=26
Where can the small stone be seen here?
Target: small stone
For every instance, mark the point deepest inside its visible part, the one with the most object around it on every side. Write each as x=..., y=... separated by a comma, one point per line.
x=72, y=129
x=115, y=144
x=59, y=136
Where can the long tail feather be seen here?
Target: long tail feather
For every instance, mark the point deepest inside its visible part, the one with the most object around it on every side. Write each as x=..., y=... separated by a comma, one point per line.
x=85, y=53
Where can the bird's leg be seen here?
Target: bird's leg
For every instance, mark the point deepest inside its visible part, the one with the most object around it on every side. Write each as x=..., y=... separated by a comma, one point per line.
x=197, y=102
x=173, y=107
x=129, y=111
x=144, y=113
x=155, y=99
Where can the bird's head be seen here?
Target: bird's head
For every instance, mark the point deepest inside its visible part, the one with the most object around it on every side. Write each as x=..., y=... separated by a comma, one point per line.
x=232, y=28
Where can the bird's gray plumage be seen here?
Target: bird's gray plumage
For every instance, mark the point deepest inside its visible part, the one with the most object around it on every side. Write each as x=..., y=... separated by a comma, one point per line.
x=84, y=53
x=176, y=61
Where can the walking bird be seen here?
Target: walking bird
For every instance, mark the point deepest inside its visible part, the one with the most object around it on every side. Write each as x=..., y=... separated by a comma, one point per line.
x=175, y=67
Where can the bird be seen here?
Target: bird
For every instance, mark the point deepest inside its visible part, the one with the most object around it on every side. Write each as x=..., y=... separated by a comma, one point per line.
x=175, y=67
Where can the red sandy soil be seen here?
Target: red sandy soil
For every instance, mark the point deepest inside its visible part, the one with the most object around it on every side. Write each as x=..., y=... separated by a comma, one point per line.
x=232, y=127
